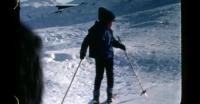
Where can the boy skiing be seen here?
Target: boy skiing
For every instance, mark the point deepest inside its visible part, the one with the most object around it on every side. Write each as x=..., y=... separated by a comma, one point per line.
x=101, y=41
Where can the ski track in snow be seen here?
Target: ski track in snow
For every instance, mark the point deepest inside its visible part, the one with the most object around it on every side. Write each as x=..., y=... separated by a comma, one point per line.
x=152, y=38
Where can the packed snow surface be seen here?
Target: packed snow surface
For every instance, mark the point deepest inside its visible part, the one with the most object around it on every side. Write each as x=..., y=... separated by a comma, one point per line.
x=150, y=29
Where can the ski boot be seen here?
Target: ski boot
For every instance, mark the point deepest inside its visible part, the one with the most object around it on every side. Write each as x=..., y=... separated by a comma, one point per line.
x=95, y=97
x=95, y=101
x=109, y=101
x=109, y=95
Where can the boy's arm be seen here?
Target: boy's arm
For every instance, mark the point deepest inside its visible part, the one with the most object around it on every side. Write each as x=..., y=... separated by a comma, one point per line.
x=117, y=44
x=84, y=47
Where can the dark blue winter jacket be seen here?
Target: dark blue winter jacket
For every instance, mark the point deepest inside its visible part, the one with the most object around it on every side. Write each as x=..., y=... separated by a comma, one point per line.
x=100, y=41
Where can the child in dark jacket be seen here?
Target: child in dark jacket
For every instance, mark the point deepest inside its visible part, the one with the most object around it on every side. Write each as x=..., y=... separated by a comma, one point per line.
x=101, y=42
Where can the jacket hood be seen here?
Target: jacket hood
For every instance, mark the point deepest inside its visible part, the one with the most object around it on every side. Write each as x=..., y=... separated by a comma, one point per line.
x=105, y=15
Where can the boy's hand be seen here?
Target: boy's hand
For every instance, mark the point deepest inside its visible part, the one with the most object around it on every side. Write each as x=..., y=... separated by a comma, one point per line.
x=123, y=47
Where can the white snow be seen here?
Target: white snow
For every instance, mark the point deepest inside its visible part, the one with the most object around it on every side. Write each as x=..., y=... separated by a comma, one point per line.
x=150, y=29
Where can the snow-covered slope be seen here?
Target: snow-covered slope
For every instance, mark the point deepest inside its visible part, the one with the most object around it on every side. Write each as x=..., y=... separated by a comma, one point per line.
x=43, y=14
x=151, y=31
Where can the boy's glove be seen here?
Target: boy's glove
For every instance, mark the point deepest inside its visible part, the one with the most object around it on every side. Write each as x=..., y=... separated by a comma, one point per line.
x=122, y=47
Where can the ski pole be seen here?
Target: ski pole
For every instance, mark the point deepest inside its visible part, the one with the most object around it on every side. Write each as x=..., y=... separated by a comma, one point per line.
x=143, y=90
x=71, y=82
